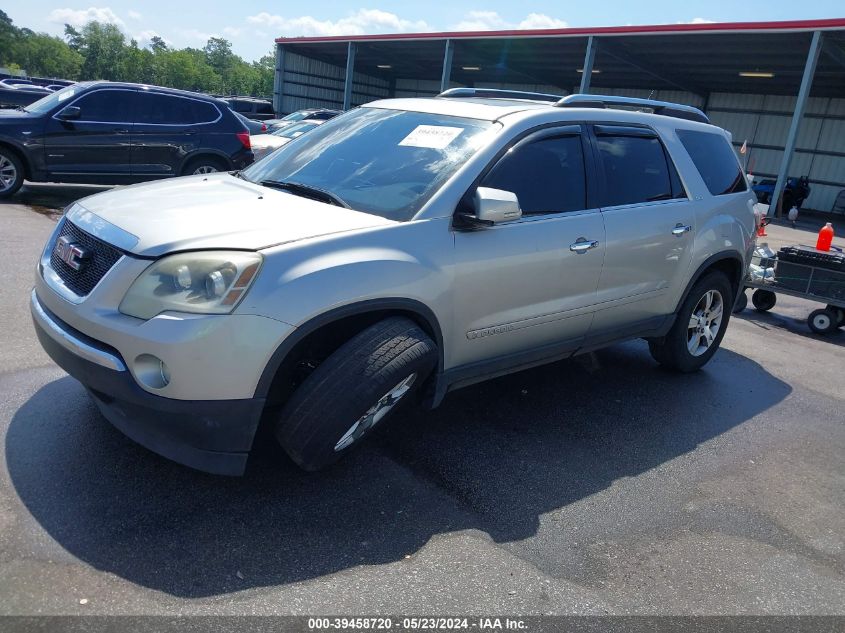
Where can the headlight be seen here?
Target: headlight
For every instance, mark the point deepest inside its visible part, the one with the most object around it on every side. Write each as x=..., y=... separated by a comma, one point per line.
x=209, y=282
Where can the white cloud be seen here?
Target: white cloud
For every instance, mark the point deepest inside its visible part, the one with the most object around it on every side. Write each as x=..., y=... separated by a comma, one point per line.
x=145, y=37
x=698, y=21
x=492, y=21
x=195, y=36
x=79, y=17
x=360, y=22
x=232, y=31
x=541, y=21
x=134, y=15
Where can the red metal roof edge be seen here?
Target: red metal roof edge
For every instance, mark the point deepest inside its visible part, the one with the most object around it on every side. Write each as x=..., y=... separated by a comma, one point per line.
x=788, y=25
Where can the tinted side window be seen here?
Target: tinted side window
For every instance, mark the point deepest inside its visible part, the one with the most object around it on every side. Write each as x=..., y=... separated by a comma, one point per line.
x=635, y=170
x=241, y=106
x=264, y=108
x=715, y=160
x=107, y=106
x=163, y=109
x=547, y=175
x=204, y=112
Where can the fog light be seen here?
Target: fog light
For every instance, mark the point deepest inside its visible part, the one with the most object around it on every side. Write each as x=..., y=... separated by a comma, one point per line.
x=152, y=371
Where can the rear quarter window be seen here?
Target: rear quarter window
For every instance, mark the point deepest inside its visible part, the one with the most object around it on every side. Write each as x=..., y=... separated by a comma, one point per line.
x=715, y=160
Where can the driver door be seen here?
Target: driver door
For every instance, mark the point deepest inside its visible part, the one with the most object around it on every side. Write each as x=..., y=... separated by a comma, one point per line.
x=526, y=289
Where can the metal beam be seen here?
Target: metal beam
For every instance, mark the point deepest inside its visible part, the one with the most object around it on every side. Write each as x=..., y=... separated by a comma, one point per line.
x=279, y=80
x=447, y=65
x=350, y=75
x=587, y=69
x=800, y=104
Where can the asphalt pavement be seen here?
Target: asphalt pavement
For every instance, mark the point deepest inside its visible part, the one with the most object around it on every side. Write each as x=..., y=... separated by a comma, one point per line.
x=600, y=484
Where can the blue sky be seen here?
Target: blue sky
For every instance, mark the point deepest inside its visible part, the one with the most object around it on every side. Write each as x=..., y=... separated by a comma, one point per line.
x=251, y=25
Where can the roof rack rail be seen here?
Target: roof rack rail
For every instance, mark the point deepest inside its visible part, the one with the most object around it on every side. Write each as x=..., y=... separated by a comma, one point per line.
x=665, y=108
x=491, y=93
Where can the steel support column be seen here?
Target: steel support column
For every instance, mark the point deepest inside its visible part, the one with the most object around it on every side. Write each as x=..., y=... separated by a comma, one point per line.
x=445, y=77
x=800, y=105
x=279, y=80
x=350, y=75
x=587, y=70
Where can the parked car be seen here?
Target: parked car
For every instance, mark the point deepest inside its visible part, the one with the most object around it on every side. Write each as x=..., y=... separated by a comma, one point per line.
x=14, y=83
x=251, y=107
x=408, y=248
x=54, y=87
x=17, y=95
x=254, y=127
x=118, y=133
x=317, y=114
x=264, y=144
x=796, y=191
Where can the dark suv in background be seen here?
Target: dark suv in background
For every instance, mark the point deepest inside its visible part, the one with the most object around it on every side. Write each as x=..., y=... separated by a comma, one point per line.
x=251, y=107
x=118, y=133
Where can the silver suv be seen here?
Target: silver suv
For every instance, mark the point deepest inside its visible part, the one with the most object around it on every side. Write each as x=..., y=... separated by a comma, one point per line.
x=403, y=249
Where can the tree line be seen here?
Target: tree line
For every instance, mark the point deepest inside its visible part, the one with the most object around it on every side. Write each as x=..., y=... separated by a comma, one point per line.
x=101, y=51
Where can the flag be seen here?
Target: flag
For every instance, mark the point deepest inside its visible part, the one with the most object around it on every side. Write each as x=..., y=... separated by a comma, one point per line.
x=744, y=148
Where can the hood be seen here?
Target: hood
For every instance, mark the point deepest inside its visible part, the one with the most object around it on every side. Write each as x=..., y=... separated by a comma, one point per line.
x=209, y=211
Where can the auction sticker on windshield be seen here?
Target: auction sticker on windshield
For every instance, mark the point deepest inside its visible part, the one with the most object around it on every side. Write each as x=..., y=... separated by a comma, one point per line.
x=432, y=136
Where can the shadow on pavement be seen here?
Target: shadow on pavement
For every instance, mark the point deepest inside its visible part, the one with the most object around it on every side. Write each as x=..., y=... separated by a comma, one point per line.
x=49, y=199
x=771, y=319
x=494, y=457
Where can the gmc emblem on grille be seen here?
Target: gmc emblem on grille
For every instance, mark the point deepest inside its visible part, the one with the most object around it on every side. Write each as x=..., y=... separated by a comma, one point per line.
x=71, y=254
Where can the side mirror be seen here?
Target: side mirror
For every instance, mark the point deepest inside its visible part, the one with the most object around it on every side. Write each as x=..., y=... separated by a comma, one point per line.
x=496, y=205
x=70, y=113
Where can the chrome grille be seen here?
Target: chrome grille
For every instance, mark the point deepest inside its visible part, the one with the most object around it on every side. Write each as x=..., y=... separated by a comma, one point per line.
x=103, y=257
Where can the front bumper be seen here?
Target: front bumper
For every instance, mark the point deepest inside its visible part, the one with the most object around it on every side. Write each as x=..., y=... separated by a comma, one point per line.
x=210, y=435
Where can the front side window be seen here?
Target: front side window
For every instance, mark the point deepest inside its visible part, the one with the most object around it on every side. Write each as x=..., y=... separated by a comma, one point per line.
x=546, y=175
x=379, y=161
x=715, y=160
x=105, y=106
x=635, y=170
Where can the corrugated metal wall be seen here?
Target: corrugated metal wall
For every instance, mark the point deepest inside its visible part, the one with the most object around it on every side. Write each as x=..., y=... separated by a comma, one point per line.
x=762, y=120
x=310, y=83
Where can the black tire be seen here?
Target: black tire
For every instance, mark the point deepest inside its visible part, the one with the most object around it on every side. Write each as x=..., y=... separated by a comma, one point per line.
x=673, y=350
x=764, y=300
x=741, y=302
x=204, y=165
x=822, y=321
x=11, y=173
x=840, y=314
x=340, y=395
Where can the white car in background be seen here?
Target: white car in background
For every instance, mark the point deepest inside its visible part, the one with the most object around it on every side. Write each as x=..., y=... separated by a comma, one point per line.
x=263, y=144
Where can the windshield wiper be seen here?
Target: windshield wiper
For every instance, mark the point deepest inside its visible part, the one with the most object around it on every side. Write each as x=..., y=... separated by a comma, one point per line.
x=306, y=191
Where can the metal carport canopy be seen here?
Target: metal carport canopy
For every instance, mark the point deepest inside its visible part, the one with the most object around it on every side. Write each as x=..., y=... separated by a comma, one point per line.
x=699, y=58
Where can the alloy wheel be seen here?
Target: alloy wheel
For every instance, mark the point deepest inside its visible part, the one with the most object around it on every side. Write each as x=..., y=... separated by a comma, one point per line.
x=375, y=413
x=704, y=322
x=8, y=173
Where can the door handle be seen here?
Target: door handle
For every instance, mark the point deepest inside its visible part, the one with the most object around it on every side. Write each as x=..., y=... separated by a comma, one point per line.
x=582, y=245
x=680, y=229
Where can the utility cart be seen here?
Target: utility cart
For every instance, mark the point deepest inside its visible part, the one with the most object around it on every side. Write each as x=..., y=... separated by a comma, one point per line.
x=804, y=272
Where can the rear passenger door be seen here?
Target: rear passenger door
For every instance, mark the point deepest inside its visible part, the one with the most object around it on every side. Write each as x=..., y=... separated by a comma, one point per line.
x=650, y=225
x=167, y=129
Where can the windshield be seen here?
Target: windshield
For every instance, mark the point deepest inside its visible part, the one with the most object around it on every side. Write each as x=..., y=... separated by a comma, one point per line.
x=384, y=162
x=295, y=116
x=45, y=104
x=297, y=129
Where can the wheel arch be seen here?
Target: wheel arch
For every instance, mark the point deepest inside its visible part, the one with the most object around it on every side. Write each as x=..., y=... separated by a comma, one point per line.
x=333, y=328
x=21, y=155
x=203, y=153
x=728, y=262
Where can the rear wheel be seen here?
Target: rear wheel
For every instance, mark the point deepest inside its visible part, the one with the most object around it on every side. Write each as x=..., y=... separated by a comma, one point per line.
x=355, y=389
x=822, y=321
x=840, y=314
x=204, y=165
x=699, y=327
x=764, y=300
x=11, y=173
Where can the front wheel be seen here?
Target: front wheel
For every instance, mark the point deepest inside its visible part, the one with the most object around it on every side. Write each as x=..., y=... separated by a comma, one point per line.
x=203, y=165
x=699, y=327
x=356, y=388
x=11, y=173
